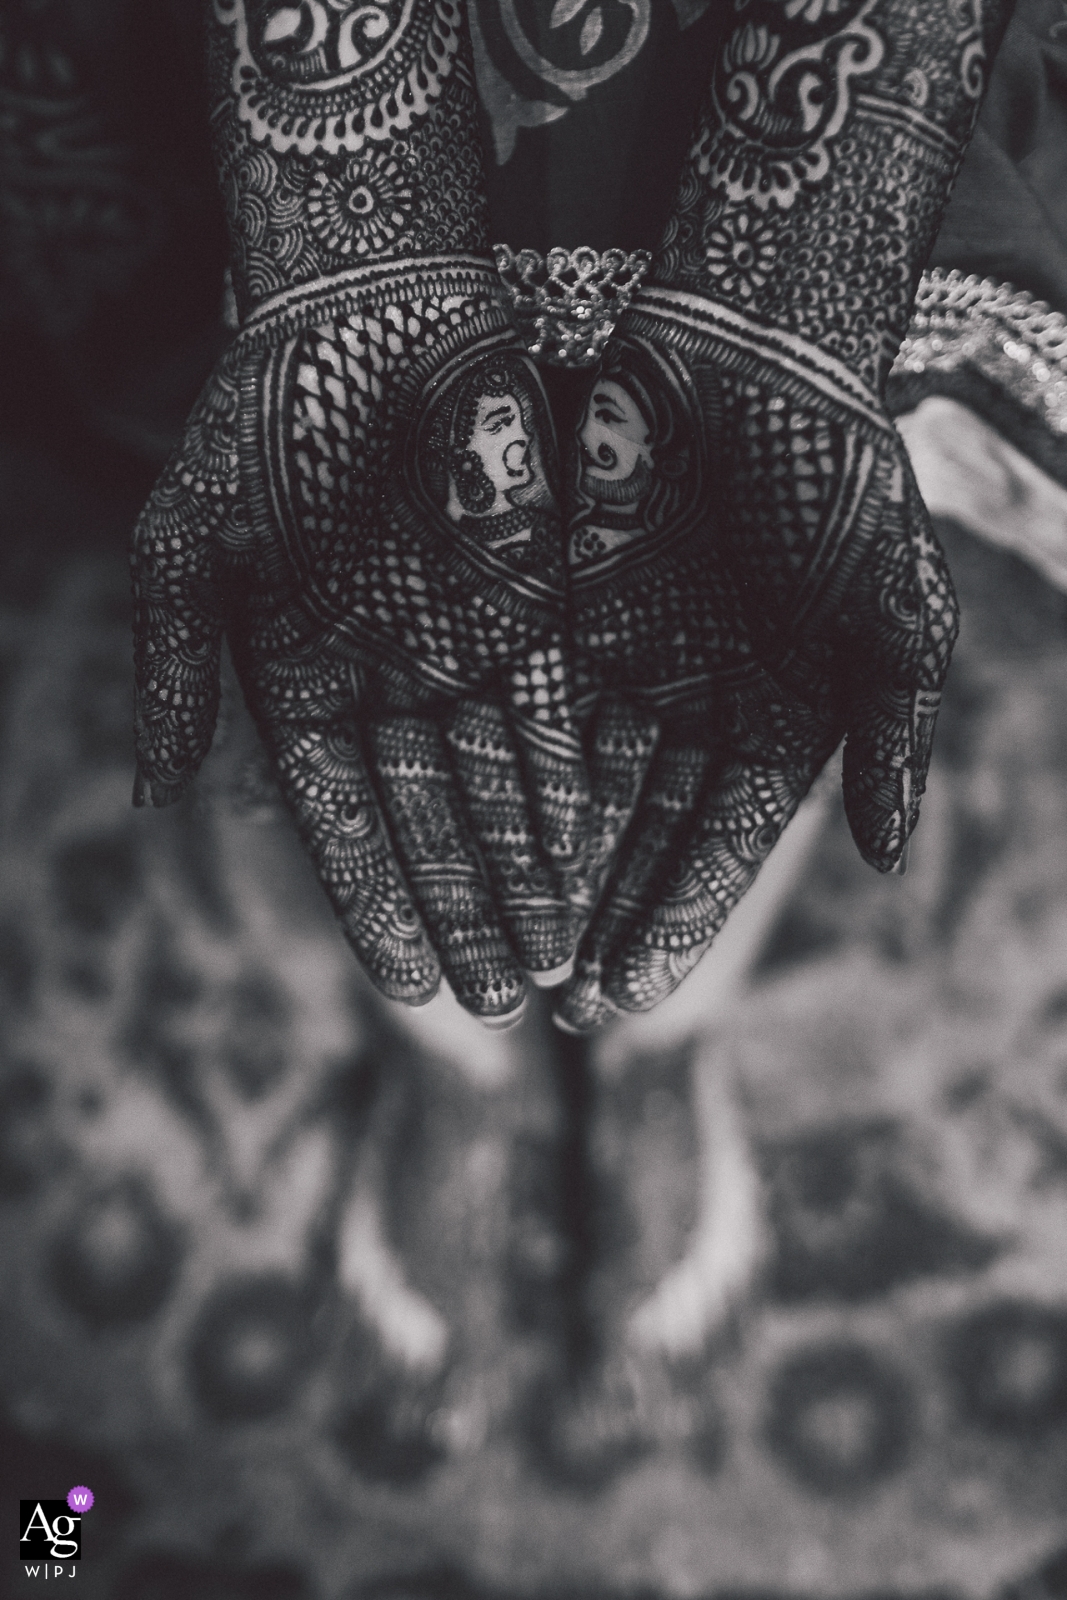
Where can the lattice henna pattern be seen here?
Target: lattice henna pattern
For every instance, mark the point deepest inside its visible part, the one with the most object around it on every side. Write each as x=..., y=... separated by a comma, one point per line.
x=366, y=501
x=754, y=572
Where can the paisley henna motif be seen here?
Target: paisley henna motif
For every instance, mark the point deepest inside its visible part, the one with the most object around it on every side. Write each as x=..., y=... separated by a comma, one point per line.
x=783, y=89
x=753, y=567
x=558, y=50
x=365, y=502
x=322, y=77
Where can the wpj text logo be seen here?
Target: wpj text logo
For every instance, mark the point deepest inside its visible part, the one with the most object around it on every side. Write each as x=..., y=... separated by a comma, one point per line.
x=50, y=1537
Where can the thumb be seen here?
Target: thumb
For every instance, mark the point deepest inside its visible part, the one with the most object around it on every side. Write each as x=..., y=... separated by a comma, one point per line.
x=905, y=619
x=887, y=756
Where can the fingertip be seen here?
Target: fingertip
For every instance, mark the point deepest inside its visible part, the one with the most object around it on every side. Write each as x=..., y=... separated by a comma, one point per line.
x=410, y=993
x=510, y=1020
x=881, y=831
x=411, y=976
x=880, y=804
x=584, y=1007
x=423, y=997
x=554, y=976
x=149, y=792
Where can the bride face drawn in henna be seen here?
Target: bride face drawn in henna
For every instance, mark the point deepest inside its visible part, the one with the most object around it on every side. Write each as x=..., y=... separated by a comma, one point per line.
x=634, y=446
x=490, y=457
x=485, y=468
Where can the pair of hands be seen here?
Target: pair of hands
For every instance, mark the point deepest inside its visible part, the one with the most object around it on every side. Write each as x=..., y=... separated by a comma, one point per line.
x=492, y=758
x=408, y=663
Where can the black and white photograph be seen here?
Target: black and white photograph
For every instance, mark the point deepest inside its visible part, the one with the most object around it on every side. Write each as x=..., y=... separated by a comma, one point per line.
x=533, y=799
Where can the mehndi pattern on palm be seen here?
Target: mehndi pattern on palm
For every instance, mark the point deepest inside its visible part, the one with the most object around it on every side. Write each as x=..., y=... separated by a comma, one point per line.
x=365, y=502
x=799, y=595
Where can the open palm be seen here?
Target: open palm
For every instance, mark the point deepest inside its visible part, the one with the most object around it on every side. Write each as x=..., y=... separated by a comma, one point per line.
x=754, y=576
x=364, y=501
x=365, y=507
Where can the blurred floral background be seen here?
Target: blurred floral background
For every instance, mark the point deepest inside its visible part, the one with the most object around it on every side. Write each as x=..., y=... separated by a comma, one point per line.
x=762, y=1295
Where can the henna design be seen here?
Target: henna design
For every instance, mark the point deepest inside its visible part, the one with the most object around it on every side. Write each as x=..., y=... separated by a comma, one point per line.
x=365, y=502
x=783, y=88
x=356, y=596
x=364, y=209
x=822, y=161
x=567, y=50
x=324, y=77
x=751, y=560
x=292, y=222
x=441, y=862
x=330, y=159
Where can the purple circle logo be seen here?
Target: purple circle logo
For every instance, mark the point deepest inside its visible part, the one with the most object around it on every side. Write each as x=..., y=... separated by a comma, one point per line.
x=81, y=1498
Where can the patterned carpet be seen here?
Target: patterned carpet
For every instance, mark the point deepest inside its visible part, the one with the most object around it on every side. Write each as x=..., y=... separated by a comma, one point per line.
x=308, y=1296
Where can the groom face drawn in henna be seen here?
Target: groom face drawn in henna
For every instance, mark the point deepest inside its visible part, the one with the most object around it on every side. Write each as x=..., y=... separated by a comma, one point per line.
x=635, y=453
x=616, y=446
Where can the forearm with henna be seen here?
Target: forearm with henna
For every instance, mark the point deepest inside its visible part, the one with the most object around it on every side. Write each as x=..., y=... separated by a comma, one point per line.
x=823, y=158
x=365, y=501
x=794, y=592
x=345, y=137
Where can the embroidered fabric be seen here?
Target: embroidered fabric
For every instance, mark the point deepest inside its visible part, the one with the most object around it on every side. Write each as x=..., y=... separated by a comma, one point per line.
x=568, y=302
x=1016, y=342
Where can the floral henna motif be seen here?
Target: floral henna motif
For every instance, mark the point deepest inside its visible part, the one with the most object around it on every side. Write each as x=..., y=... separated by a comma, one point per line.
x=365, y=503
x=752, y=562
x=739, y=254
x=363, y=210
x=325, y=164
